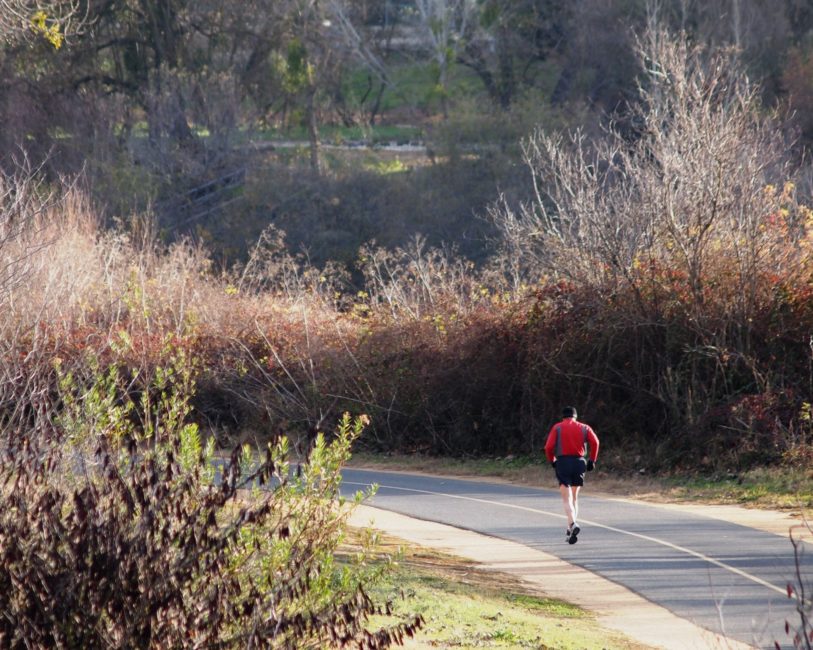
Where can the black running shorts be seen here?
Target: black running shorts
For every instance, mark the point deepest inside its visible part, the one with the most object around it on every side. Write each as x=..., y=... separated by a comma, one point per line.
x=570, y=470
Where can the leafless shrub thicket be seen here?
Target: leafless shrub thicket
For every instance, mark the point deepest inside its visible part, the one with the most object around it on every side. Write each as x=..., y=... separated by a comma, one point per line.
x=685, y=222
x=415, y=281
x=69, y=272
x=24, y=208
x=696, y=183
x=271, y=269
x=68, y=285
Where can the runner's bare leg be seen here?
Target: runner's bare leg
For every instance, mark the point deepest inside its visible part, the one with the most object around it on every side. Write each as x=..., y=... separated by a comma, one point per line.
x=574, y=491
x=568, y=502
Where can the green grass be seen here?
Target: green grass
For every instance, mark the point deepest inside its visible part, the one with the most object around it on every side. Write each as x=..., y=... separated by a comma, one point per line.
x=467, y=607
x=414, y=87
x=782, y=488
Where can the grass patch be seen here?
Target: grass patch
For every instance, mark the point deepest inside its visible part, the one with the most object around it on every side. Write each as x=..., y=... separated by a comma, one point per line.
x=780, y=488
x=415, y=87
x=467, y=607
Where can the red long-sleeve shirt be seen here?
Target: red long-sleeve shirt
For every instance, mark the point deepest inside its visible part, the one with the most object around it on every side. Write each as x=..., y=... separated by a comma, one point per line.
x=567, y=438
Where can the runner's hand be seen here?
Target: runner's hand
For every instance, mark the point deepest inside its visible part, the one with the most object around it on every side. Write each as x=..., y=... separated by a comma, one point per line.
x=591, y=465
x=553, y=463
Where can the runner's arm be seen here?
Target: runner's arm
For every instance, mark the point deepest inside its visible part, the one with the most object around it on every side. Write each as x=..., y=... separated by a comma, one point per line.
x=550, y=444
x=592, y=438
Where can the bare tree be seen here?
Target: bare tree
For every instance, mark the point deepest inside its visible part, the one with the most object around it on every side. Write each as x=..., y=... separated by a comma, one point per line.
x=687, y=215
x=364, y=46
x=509, y=39
x=689, y=183
x=446, y=24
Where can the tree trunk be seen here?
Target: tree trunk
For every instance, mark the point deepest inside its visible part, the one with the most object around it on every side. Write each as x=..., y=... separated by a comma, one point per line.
x=313, y=128
x=507, y=80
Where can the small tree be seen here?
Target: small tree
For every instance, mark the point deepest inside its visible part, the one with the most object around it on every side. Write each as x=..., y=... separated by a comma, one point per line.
x=446, y=24
x=686, y=177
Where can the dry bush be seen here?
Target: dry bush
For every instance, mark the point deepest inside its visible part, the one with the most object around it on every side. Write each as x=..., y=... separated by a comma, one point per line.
x=272, y=270
x=70, y=272
x=448, y=385
x=801, y=631
x=69, y=285
x=691, y=186
x=112, y=534
x=299, y=361
x=25, y=239
x=416, y=281
x=688, y=232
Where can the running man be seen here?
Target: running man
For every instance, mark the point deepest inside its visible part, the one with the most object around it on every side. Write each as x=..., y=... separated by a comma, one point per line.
x=565, y=448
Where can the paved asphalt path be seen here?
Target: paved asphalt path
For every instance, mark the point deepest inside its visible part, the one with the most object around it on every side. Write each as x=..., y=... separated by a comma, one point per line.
x=727, y=578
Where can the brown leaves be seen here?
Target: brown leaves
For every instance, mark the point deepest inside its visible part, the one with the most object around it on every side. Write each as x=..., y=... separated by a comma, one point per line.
x=142, y=553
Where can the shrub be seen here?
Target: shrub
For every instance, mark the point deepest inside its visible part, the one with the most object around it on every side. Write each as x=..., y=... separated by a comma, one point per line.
x=114, y=535
x=685, y=231
x=800, y=631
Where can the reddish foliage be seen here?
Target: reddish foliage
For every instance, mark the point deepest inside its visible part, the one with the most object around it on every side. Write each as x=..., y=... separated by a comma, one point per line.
x=650, y=362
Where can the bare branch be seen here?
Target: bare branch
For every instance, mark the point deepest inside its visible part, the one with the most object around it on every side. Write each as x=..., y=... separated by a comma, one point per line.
x=54, y=20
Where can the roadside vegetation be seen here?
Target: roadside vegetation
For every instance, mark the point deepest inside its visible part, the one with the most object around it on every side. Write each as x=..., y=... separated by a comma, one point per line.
x=680, y=323
x=115, y=534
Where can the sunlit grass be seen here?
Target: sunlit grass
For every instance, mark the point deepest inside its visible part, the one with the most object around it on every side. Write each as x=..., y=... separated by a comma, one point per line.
x=467, y=607
x=766, y=487
x=384, y=167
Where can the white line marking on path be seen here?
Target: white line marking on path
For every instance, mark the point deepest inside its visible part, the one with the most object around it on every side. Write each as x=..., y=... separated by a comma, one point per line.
x=648, y=538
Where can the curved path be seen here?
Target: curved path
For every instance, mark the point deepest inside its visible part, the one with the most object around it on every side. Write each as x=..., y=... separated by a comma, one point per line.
x=724, y=577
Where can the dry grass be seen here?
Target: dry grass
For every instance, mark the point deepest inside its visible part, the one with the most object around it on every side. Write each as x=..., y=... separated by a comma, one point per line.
x=440, y=355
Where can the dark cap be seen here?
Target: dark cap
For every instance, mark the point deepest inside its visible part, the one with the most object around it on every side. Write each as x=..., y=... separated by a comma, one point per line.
x=569, y=412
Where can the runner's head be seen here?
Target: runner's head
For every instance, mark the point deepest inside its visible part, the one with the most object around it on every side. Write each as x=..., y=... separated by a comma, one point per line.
x=569, y=412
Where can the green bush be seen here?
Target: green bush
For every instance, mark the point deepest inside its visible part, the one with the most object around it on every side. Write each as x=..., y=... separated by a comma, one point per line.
x=114, y=535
